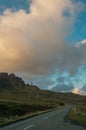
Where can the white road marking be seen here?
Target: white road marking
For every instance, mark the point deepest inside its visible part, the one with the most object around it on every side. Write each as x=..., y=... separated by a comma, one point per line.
x=28, y=127
x=46, y=117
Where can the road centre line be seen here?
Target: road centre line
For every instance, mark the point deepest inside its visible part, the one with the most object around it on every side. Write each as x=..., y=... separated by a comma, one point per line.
x=28, y=127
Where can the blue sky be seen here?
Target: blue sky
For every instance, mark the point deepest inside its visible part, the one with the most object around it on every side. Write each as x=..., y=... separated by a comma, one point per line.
x=79, y=32
x=46, y=42
x=14, y=4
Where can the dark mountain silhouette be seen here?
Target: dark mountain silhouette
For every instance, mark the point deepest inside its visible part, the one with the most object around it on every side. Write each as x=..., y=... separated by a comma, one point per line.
x=10, y=81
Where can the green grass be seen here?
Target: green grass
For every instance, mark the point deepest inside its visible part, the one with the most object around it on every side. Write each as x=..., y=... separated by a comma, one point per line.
x=23, y=101
x=78, y=114
x=30, y=96
x=12, y=111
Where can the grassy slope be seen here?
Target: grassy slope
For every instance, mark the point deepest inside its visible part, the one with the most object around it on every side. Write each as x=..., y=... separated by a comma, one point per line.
x=34, y=100
x=21, y=102
x=78, y=114
x=12, y=111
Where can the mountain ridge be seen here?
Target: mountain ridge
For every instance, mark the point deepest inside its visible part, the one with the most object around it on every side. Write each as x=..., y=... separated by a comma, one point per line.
x=9, y=81
x=13, y=88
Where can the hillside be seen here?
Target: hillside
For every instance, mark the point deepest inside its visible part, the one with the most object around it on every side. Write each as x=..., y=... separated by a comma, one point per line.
x=18, y=99
x=14, y=88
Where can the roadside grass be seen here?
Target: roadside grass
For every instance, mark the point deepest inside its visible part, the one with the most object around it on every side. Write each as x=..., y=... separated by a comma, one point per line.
x=78, y=114
x=14, y=111
x=23, y=102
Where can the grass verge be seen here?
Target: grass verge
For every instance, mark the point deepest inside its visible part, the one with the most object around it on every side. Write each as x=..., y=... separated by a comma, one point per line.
x=77, y=115
x=13, y=112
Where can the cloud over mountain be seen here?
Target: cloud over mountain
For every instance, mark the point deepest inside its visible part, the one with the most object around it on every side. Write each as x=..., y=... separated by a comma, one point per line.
x=78, y=91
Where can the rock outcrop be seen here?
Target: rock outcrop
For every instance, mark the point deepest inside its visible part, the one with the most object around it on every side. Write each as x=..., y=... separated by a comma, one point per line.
x=10, y=80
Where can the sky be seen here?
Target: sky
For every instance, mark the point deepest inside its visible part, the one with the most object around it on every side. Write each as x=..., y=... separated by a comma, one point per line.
x=44, y=42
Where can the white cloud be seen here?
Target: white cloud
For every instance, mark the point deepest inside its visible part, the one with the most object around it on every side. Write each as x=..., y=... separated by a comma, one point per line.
x=78, y=91
x=62, y=87
x=34, y=42
x=81, y=43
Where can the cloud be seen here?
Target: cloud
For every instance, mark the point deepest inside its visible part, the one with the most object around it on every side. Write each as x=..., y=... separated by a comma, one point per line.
x=84, y=88
x=62, y=87
x=33, y=43
x=60, y=79
x=78, y=91
x=81, y=43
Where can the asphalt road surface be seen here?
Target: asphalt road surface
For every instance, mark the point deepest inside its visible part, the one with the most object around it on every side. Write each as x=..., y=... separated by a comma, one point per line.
x=49, y=121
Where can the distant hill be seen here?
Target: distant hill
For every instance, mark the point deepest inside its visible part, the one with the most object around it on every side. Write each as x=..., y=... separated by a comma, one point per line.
x=13, y=88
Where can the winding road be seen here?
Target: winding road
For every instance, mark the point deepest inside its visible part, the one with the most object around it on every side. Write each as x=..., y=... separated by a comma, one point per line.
x=49, y=121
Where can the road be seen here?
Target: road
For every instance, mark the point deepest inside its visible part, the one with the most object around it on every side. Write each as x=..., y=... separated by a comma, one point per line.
x=49, y=121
